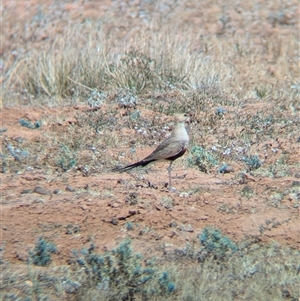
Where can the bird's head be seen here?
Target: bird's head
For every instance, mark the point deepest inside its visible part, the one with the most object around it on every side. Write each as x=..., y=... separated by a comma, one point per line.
x=181, y=118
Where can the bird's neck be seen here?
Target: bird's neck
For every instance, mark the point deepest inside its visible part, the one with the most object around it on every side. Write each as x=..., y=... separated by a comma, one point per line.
x=180, y=131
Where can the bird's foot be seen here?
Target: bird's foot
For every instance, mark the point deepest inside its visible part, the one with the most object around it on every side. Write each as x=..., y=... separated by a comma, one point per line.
x=172, y=189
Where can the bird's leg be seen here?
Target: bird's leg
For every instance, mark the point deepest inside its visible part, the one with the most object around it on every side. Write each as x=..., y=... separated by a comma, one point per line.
x=169, y=171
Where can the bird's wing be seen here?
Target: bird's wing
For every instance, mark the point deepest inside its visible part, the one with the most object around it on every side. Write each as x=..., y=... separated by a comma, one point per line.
x=169, y=148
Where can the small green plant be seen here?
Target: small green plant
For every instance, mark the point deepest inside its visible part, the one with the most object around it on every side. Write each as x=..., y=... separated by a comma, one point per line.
x=121, y=275
x=41, y=254
x=202, y=158
x=66, y=159
x=129, y=226
x=29, y=125
x=247, y=192
x=18, y=154
x=96, y=98
x=215, y=244
x=252, y=162
x=261, y=92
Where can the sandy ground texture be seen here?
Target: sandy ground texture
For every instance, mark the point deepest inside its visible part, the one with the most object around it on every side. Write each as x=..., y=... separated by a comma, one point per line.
x=74, y=208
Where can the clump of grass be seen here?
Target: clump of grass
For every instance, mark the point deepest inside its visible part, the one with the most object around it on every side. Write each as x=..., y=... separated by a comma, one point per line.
x=120, y=274
x=280, y=168
x=252, y=162
x=133, y=71
x=249, y=273
x=41, y=254
x=129, y=226
x=66, y=159
x=261, y=92
x=202, y=158
x=96, y=98
x=132, y=199
x=127, y=98
x=18, y=154
x=247, y=192
x=215, y=244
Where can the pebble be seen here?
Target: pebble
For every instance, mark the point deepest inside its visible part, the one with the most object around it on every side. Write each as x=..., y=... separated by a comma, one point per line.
x=70, y=188
x=114, y=221
x=42, y=191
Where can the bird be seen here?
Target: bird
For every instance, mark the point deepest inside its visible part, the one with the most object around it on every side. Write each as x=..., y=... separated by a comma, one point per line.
x=169, y=150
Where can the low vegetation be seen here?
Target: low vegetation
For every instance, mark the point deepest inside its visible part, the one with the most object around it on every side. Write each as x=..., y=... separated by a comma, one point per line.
x=214, y=269
x=234, y=68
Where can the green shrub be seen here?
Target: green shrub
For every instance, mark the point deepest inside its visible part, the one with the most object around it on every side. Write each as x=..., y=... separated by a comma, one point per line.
x=215, y=244
x=120, y=274
x=41, y=254
x=29, y=125
x=202, y=158
x=65, y=158
x=252, y=162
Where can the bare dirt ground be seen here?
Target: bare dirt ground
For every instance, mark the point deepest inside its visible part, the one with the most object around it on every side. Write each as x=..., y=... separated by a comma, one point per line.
x=73, y=210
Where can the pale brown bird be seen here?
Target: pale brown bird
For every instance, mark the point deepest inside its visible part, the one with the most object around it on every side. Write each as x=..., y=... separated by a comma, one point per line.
x=169, y=150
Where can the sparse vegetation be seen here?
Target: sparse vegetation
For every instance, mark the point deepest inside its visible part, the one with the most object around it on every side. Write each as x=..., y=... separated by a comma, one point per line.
x=202, y=158
x=215, y=244
x=252, y=162
x=65, y=158
x=206, y=271
x=28, y=124
x=95, y=90
x=41, y=254
x=120, y=275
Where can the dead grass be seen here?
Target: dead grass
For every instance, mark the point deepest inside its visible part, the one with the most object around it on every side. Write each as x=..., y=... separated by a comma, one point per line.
x=154, y=60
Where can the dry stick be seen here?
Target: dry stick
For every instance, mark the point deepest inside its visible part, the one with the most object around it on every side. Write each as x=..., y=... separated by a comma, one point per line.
x=74, y=81
x=262, y=233
x=14, y=71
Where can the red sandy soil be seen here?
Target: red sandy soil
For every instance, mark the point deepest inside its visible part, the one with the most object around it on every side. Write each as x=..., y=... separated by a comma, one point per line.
x=74, y=211
x=98, y=207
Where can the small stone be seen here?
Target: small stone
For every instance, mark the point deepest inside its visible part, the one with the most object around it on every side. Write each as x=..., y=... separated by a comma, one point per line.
x=29, y=283
x=286, y=192
x=42, y=191
x=85, y=208
x=24, y=191
x=184, y=195
x=188, y=228
x=38, y=201
x=121, y=181
x=56, y=191
x=114, y=221
x=69, y=188
x=70, y=287
x=226, y=169
x=22, y=255
x=71, y=120
x=173, y=224
x=125, y=214
x=286, y=293
x=248, y=177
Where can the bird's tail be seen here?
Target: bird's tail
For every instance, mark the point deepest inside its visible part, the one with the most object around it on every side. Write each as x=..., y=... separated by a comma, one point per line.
x=131, y=166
